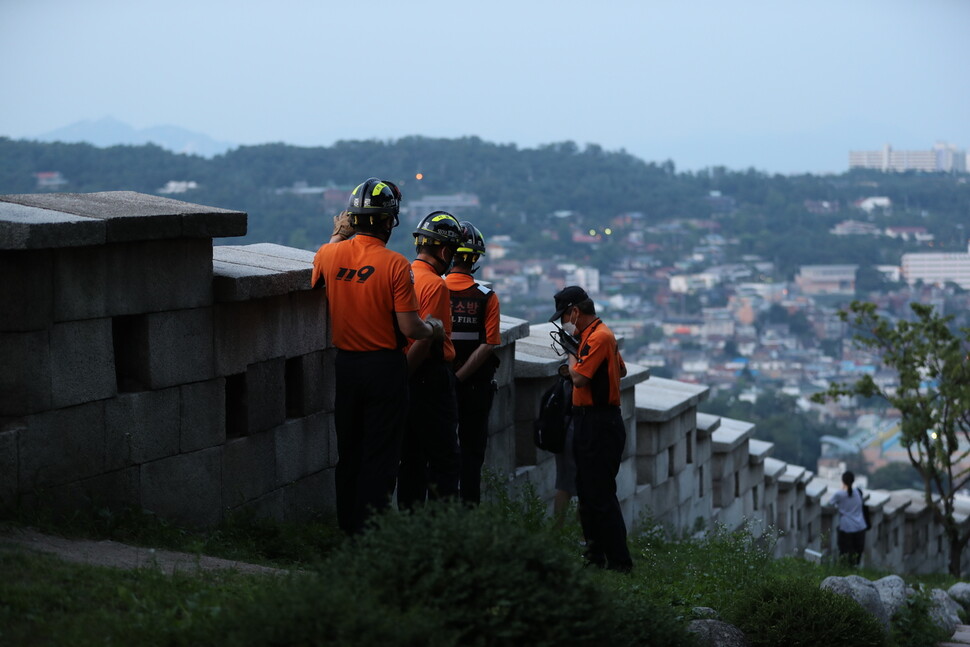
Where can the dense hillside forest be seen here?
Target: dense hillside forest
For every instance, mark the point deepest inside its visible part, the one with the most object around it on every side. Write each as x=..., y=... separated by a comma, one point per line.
x=520, y=190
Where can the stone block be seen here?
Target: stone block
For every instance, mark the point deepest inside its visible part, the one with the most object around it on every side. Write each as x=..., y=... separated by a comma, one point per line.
x=9, y=459
x=687, y=484
x=305, y=322
x=268, y=506
x=266, y=394
x=82, y=362
x=626, y=479
x=246, y=332
x=62, y=445
x=141, y=427
x=243, y=273
x=506, y=357
x=25, y=381
x=652, y=469
x=163, y=349
x=26, y=289
x=500, y=451
x=28, y=227
x=158, y=275
x=202, y=414
x=307, y=384
x=302, y=447
x=80, y=283
x=186, y=487
x=528, y=394
x=311, y=497
x=502, y=412
x=130, y=216
x=113, y=490
x=249, y=468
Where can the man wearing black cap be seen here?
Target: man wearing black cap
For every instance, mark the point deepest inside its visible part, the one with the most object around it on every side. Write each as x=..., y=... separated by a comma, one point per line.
x=596, y=368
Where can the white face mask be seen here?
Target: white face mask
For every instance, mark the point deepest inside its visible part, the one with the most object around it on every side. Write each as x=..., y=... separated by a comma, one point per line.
x=570, y=328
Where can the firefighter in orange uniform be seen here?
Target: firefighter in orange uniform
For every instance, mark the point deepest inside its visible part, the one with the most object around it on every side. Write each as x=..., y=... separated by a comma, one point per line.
x=475, y=334
x=373, y=309
x=596, y=368
x=430, y=458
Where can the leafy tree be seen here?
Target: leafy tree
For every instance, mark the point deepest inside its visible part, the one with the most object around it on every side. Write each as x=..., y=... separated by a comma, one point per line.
x=933, y=396
x=894, y=476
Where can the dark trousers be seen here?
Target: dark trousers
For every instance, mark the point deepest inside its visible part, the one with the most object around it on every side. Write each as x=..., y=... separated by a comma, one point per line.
x=370, y=406
x=474, y=403
x=851, y=545
x=430, y=456
x=598, y=448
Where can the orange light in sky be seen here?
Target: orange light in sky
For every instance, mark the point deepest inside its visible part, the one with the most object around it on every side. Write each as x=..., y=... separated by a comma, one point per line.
x=419, y=176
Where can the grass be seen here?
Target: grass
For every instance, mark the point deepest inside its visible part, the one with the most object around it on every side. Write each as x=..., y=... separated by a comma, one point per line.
x=44, y=601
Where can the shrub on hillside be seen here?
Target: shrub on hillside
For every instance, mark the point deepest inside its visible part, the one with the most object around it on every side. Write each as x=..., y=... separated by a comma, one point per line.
x=912, y=625
x=796, y=612
x=446, y=575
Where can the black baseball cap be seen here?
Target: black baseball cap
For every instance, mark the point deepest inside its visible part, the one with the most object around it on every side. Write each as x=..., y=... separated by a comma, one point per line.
x=567, y=298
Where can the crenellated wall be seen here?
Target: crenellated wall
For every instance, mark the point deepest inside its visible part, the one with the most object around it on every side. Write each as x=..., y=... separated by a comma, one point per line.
x=142, y=366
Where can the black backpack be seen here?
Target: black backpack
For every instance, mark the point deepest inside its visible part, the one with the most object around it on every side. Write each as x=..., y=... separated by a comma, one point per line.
x=865, y=511
x=555, y=411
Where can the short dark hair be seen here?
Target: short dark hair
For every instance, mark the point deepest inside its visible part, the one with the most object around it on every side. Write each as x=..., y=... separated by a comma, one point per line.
x=587, y=307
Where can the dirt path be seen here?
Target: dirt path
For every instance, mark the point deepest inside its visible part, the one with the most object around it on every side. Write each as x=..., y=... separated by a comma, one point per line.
x=112, y=553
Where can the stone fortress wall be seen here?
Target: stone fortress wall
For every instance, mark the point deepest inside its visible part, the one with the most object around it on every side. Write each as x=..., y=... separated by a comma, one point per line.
x=143, y=366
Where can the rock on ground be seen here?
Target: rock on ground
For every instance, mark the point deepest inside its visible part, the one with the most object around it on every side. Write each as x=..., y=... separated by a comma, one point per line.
x=862, y=591
x=716, y=633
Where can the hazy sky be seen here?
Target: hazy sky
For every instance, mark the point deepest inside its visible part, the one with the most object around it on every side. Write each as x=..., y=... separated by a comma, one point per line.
x=778, y=85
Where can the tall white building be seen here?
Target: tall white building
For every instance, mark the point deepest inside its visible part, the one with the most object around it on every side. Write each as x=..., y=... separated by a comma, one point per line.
x=943, y=157
x=937, y=267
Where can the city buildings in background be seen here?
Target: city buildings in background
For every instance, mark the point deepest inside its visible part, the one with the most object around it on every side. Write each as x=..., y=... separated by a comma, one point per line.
x=943, y=157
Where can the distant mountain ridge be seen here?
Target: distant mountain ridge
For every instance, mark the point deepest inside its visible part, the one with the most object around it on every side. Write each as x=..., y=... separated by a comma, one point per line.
x=108, y=131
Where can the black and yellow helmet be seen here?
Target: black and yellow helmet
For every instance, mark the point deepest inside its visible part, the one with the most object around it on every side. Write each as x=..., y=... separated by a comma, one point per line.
x=375, y=198
x=438, y=228
x=472, y=240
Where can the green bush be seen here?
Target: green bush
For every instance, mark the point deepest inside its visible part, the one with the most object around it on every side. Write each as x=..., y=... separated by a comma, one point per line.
x=912, y=625
x=795, y=612
x=446, y=575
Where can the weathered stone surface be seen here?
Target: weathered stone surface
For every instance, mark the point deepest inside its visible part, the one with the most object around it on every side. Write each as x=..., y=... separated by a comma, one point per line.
x=26, y=290
x=82, y=362
x=113, y=490
x=202, y=415
x=128, y=216
x=245, y=272
x=944, y=611
x=25, y=381
x=80, y=279
x=186, y=487
x=306, y=384
x=892, y=591
x=61, y=446
x=141, y=427
x=157, y=275
x=960, y=592
x=248, y=332
x=302, y=447
x=249, y=468
x=25, y=227
x=716, y=633
x=862, y=591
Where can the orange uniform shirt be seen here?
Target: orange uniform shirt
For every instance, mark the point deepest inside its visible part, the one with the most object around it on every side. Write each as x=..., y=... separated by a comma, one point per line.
x=434, y=298
x=366, y=284
x=599, y=360
x=458, y=281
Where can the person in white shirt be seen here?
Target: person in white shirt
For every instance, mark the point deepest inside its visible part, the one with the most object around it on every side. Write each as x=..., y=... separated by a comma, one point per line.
x=852, y=523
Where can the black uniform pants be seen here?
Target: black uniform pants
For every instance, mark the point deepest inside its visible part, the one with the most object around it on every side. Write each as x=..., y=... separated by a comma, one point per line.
x=474, y=403
x=598, y=449
x=370, y=406
x=430, y=456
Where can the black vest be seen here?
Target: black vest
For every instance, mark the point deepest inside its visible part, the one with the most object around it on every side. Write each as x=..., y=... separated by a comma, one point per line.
x=468, y=308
